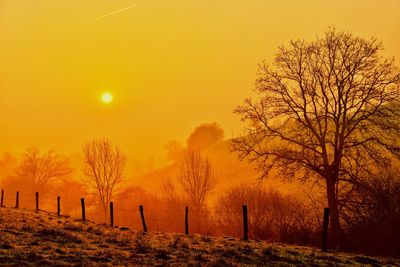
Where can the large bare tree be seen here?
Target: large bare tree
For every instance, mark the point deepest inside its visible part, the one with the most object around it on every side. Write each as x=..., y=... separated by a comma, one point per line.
x=196, y=177
x=326, y=109
x=104, y=168
x=37, y=169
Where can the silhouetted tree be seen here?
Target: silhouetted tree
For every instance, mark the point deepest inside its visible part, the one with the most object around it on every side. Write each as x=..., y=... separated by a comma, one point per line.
x=205, y=135
x=104, y=169
x=273, y=215
x=36, y=170
x=327, y=109
x=372, y=215
x=171, y=197
x=196, y=177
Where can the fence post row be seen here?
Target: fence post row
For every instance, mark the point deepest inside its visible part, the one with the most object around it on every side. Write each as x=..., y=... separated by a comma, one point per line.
x=17, y=200
x=324, y=245
x=142, y=216
x=83, y=209
x=2, y=197
x=186, y=220
x=58, y=206
x=112, y=213
x=37, y=201
x=245, y=223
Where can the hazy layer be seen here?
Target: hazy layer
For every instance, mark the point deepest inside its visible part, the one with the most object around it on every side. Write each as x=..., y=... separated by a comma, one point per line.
x=171, y=65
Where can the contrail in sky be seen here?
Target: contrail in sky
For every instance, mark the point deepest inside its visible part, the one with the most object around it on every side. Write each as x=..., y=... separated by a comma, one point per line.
x=114, y=12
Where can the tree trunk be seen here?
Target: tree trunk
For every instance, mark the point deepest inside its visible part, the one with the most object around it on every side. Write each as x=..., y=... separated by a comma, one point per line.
x=105, y=210
x=334, y=213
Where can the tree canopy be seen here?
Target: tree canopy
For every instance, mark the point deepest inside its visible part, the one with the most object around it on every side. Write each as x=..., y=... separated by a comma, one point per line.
x=327, y=109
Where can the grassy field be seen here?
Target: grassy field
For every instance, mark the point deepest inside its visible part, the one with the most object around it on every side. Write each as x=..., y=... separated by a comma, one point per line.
x=41, y=238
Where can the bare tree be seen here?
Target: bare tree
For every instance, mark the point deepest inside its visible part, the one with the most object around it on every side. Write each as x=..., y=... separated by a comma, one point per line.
x=170, y=196
x=196, y=177
x=38, y=169
x=327, y=109
x=274, y=216
x=104, y=168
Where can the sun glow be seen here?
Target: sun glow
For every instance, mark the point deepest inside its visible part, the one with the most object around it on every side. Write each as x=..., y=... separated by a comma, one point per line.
x=107, y=97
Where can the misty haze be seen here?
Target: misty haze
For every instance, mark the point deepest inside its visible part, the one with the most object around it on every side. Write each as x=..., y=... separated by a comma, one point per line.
x=191, y=133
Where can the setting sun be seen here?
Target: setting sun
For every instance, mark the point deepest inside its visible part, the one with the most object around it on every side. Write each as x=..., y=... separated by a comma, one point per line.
x=107, y=97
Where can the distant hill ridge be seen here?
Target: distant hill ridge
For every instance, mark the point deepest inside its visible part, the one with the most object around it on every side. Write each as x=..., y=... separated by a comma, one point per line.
x=230, y=171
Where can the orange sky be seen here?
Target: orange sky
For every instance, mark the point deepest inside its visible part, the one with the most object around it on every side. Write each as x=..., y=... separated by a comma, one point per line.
x=171, y=65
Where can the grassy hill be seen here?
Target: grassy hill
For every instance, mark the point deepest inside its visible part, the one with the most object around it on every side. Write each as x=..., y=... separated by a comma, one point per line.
x=41, y=238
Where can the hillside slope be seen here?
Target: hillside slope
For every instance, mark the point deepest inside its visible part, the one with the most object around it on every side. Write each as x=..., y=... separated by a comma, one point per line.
x=229, y=171
x=41, y=238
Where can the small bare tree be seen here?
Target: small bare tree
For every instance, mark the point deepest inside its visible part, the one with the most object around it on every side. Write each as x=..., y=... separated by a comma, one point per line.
x=196, y=177
x=327, y=109
x=36, y=170
x=104, y=168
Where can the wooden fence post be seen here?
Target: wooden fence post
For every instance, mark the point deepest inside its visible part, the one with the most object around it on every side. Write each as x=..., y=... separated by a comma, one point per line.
x=142, y=216
x=17, y=200
x=245, y=223
x=37, y=201
x=112, y=213
x=324, y=245
x=83, y=209
x=58, y=206
x=2, y=197
x=186, y=220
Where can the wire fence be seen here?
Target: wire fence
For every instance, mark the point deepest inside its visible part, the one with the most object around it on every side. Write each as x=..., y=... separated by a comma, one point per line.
x=142, y=218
